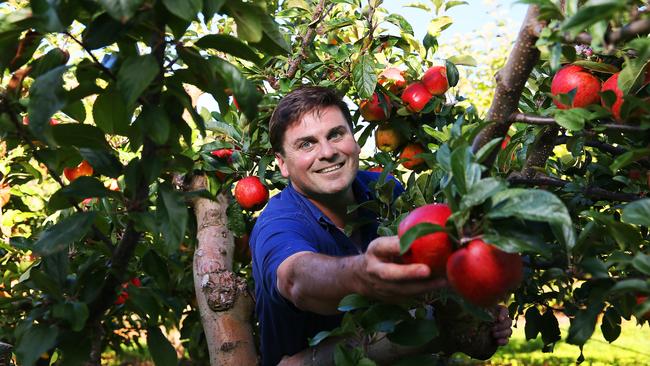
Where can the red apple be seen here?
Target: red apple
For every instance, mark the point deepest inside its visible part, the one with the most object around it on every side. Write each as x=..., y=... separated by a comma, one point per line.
x=409, y=152
x=371, y=110
x=483, y=274
x=124, y=295
x=575, y=77
x=392, y=79
x=388, y=139
x=505, y=142
x=376, y=169
x=612, y=84
x=251, y=194
x=223, y=154
x=83, y=169
x=432, y=249
x=53, y=121
x=435, y=80
x=416, y=96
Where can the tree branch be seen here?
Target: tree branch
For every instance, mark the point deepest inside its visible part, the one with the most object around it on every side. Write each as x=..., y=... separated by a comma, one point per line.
x=307, y=38
x=627, y=32
x=511, y=80
x=539, y=151
x=545, y=121
x=592, y=192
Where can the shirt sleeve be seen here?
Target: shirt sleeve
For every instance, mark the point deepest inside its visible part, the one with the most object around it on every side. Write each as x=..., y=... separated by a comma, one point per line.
x=275, y=242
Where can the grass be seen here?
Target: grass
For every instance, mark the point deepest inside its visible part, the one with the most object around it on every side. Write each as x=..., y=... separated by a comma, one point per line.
x=631, y=348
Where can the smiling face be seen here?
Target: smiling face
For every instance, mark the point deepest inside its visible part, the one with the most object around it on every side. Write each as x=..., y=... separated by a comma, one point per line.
x=320, y=155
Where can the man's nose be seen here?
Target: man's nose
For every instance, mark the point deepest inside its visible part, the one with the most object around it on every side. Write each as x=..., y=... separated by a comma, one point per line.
x=328, y=150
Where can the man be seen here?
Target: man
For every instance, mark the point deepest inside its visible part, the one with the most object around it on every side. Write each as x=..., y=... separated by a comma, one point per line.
x=303, y=263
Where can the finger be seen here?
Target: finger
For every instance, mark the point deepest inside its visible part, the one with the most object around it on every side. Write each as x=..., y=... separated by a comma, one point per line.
x=384, y=246
x=506, y=333
x=502, y=341
x=398, y=272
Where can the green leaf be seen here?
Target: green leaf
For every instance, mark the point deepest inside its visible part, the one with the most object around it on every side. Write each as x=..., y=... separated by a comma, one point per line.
x=248, y=19
x=156, y=267
x=414, y=332
x=186, y=9
x=161, y=350
x=172, y=216
x=319, y=337
x=353, y=302
x=628, y=158
x=54, y=58
x=573, y=119
x=632, y=76
x=637, y=213
x=591, y=14
x=79, y=135
x=364, y=76
x=228, y=44
x=452, y=73
x=533, y=323
x=611, y=325
x=110, y=113
x=550, y=328
x=245, y=92
x=79, y=189
x=583, y=325
x=37, y=339
x=135, y=75
x=67, y=231
x=453, y=3
x=401, y=22
x=437, y=25
x=512, y=241
x=481, y=191
x=629, y=285
x=122, y=10
x=104, y=162
x=273, y=42
x=415, y=232
x=46, y=97
x=102, y=31
x=465, y=60
x=154, y=122
x=74, y=313
x=345, y=356
x=465, y=172
x=642, y=263
x=597, y=66
x=383, y=317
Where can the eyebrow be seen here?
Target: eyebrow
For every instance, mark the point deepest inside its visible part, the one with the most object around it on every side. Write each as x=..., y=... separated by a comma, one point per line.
x=302, y=139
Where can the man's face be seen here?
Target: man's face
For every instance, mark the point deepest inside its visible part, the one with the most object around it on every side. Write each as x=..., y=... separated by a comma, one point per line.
x=321, y=156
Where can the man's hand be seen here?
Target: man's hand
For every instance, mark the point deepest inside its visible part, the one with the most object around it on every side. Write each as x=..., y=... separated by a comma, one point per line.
x=382, y=278
x=502, y=329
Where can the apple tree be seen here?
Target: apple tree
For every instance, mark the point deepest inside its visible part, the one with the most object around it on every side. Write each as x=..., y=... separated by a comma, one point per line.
x=119, y=221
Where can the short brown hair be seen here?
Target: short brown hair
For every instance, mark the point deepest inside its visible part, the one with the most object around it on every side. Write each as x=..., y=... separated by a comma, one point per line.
x=299, y=102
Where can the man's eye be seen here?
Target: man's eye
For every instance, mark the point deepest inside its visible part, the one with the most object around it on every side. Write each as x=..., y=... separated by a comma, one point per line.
x=305, y=145
x=336, y=135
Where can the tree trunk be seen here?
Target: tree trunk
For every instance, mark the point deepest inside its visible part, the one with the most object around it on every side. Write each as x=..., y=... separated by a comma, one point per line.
x=223, y=299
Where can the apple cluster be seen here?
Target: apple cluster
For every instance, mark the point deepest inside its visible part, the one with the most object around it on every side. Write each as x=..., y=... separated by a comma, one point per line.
x=588, y=89
x=415, y=97
x=480, y=272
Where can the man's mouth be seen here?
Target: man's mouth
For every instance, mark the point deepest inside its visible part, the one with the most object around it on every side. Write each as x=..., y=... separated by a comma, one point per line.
x=330, y=168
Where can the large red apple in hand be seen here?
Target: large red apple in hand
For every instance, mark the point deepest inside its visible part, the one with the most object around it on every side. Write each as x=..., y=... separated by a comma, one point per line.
x=435, y=80
x=251, y=194
x=416, y=96
x=83, y=169
x=575, y=77
x=483, y=274
x=372, y=110
x=432, y=249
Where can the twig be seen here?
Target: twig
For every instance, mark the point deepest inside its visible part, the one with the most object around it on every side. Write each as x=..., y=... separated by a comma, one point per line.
x=614, y=150
x=546, y=121
x=307, y=38
x=629, y=31
x=95, y=60
x=593, y=192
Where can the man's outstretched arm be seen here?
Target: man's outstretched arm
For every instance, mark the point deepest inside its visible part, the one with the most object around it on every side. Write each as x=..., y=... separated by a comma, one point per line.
x=317, y=283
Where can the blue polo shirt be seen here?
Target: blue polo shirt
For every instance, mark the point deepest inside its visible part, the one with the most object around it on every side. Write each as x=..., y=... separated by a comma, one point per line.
x=289, y=224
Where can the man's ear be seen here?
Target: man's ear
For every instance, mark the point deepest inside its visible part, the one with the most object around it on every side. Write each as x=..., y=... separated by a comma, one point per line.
x=283, y=167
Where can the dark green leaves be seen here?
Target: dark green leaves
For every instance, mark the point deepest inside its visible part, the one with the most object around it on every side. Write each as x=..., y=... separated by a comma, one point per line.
x=187, y=10
x=79, y=135
x=364, y=76
x=452, y=74
x=135, y=75
x=414, y=332
x=172, y=216
x=65, y=232
x=162, y=352
x=228, y=44
x=122, y=10
x=415, y=232
x=245, y=92
x=583, y=325
x=353, y=302
x=611, y=325
x=80, y=188
x=110, y=113
x=46, y=98
x=637, y=213
x=35, y=341
x=481, y=191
